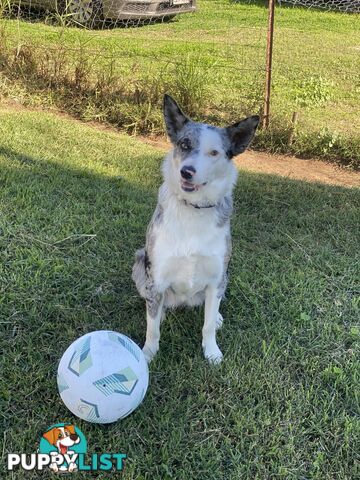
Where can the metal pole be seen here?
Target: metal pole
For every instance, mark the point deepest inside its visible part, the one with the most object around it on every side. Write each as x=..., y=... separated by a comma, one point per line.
x=269, y=53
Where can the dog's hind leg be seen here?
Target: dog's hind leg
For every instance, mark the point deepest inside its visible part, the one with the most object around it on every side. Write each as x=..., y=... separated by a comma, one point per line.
x=212, y=301
x=154, y=315
x=139, y=272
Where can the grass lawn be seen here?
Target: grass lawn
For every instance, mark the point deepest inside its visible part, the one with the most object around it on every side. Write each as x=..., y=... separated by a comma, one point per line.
x=283, y=404
x=217, y=55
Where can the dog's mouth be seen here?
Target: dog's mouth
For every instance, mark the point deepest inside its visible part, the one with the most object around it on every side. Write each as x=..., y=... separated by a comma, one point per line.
x=63, y=448
x=191, y=187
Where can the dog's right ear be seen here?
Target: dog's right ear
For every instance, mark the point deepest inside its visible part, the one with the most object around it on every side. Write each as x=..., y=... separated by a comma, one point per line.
x=71, y=429
x=50, y=436
x=175, y=120
x=241, y=134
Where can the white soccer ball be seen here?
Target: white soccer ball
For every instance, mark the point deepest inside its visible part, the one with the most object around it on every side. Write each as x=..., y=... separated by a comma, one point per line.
x=103, y=376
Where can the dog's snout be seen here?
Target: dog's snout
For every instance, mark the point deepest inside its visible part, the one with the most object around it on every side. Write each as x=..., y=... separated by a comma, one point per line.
x=187, y=172
x=74, y=437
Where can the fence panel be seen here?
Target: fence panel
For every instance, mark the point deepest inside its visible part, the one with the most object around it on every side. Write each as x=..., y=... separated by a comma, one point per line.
x=111, y=67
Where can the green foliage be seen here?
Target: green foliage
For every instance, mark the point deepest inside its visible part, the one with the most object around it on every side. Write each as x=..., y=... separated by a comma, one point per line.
x=5, y=7
x=324, y=144
x=212, y=62
x=189, y=83
x=328, y=141
x=75, y=202
x=313, y=92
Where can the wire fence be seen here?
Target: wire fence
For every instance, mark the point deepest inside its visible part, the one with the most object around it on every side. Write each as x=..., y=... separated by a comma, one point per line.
x=350, y=6
x=197, y=58
x=112, y=61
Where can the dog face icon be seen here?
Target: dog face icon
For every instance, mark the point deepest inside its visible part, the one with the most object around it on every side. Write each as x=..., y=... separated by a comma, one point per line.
x=62, y=437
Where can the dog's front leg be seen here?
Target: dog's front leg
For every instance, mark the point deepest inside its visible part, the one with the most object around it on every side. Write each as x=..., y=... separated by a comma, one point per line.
x=54, y=467
x=154, y=310
x=211, y=350
x=72, y=467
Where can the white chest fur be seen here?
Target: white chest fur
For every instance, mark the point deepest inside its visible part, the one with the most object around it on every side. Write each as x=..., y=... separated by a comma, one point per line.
x=189, y=249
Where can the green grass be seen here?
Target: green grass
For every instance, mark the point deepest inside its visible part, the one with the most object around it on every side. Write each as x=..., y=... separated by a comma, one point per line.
x=217, y=55
x=283, y=404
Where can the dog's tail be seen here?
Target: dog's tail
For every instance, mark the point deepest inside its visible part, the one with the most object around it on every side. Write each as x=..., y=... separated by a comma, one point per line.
x=138, y=272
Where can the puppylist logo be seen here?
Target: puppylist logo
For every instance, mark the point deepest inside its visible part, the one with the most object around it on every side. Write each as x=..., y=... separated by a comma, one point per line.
x=63, y=449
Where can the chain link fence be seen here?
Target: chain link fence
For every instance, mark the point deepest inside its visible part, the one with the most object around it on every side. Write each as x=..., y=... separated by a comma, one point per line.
x=111, y=61
x=213, y=65
x=350, y=6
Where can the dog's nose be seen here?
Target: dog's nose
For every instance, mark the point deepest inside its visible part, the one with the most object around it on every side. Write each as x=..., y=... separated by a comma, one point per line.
x=74, y=437
x=187, y=172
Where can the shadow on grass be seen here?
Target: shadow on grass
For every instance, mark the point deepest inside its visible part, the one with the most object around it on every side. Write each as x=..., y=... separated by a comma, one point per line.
x=68, y=238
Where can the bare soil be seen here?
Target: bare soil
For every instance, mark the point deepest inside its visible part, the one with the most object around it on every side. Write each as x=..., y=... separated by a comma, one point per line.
x=286, y=166
x=299, y=169
x=251, y=161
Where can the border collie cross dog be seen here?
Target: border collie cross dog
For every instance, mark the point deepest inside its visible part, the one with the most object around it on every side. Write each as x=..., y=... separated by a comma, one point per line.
x=188, y=240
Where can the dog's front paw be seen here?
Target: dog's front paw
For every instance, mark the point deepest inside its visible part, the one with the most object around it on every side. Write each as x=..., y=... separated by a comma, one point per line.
x=149, y=352
x=54, y=467
x=219, y=321
x=213, y=353
x=72, y=467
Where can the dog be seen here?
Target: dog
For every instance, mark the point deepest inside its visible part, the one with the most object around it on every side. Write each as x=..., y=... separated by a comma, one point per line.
x=62, y=438
x=188, y=240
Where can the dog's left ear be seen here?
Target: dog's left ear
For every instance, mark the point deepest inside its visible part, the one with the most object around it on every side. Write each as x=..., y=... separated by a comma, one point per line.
x=175, y=120
x=241, y=134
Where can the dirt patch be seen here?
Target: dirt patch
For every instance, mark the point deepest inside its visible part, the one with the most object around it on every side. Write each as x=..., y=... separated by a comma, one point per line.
x=251, y=161
x=298, y=169
x=286, y=166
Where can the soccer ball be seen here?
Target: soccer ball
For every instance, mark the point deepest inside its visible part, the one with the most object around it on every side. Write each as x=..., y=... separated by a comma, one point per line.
x=102, y=377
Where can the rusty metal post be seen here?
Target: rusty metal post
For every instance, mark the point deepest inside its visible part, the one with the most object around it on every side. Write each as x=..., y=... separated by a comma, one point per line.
x=269, y=54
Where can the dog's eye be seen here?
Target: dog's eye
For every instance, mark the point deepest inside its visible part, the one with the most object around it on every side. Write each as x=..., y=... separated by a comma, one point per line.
x=185, y=144
x=59, y=436
x=213, y=153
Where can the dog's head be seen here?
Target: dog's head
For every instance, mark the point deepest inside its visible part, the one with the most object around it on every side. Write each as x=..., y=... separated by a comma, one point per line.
x=62, y=437
x=201, y=165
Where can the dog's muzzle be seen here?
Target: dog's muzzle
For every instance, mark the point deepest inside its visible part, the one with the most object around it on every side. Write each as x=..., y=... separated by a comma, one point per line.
x=191, y=187
x=188, y=186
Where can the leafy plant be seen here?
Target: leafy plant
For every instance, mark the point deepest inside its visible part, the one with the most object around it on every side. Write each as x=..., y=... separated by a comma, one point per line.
x=328, y=140
x=189, y=83
x=313, y=92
